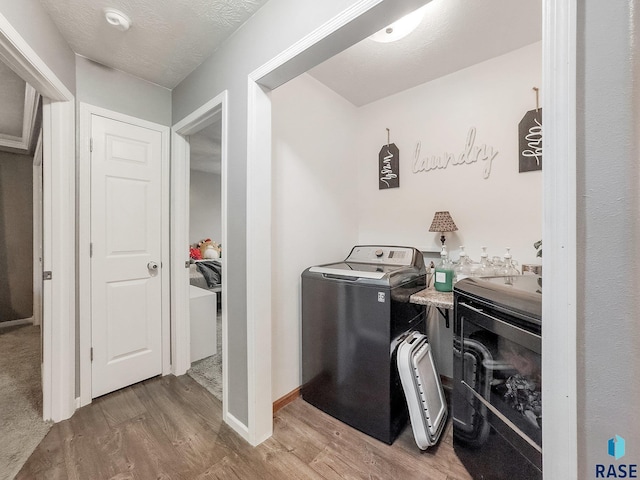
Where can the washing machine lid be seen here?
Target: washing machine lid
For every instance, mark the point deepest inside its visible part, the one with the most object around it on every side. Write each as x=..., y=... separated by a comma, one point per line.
x=376, y=262
x=358, y=270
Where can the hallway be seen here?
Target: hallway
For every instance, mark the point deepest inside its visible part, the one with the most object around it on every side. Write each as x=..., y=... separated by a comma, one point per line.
x=171, y=428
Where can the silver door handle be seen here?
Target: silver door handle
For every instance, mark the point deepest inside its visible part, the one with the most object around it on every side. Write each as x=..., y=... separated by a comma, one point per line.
x=152, y=266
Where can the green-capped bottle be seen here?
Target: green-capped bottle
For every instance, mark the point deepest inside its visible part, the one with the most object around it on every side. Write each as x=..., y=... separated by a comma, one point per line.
x=444, y=273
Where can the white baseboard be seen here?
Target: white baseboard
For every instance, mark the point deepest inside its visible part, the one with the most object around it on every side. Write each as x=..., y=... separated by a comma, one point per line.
x=239, y=427
x=15, y=323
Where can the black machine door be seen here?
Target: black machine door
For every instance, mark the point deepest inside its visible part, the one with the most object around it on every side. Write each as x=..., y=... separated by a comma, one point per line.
x=498, y=382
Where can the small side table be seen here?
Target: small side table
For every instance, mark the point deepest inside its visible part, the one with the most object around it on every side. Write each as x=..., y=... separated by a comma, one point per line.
x=430, y=297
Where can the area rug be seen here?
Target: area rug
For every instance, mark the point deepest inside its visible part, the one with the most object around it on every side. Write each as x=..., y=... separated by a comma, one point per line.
x=21, y=424
x=208, y=371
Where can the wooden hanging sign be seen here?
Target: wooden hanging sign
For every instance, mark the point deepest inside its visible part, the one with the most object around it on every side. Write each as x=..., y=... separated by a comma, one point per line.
x=389, y=167
x=530, y=138
x=530, y=141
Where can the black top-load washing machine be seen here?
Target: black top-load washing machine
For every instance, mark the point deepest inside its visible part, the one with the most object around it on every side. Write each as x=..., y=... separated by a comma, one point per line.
x=354, y=314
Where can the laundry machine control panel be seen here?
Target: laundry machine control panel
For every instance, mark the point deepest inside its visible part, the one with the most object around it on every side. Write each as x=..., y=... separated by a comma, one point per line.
x=386, y=255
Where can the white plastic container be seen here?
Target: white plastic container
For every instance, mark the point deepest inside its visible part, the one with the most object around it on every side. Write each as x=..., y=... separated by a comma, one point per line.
x=203, y=313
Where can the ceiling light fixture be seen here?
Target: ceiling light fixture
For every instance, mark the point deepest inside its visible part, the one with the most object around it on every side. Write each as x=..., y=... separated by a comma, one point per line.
x=117, y=19
x=400, y=28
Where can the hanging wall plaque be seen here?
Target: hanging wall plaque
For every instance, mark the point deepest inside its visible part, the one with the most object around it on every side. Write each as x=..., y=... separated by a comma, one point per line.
x=389, y=167
x=530, y=141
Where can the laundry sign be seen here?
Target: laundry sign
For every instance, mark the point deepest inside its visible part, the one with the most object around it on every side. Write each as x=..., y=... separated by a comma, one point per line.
x=389, y=167
x=530, y=141
x=472, y=152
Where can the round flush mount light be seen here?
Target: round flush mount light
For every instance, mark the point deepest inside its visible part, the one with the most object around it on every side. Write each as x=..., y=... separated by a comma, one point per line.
x=117, y=19
x=400, y=28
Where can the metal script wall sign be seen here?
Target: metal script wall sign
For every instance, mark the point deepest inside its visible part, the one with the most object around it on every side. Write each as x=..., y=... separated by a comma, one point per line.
x=530, y=141
x=470, y=154
x=389, y=167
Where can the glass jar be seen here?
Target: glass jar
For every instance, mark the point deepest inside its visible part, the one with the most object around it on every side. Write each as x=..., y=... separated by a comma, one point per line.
x=508, y=269
x=486, y=268
x=444, y=273
x=463, y=269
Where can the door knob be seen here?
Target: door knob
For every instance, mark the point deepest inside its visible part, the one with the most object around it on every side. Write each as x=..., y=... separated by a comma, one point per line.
x=152, y=266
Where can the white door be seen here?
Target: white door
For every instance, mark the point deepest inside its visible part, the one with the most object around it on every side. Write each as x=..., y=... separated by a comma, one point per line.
x=126, y=247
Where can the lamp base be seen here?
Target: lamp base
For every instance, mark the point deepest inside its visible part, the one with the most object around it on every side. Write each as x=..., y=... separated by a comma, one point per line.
x=442, y=239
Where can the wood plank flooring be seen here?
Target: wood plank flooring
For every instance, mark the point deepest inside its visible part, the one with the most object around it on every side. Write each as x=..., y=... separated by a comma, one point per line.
x=172, y=428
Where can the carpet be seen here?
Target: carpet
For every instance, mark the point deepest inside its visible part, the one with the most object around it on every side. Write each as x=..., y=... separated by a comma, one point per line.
x=208, y=371
x=21, y=424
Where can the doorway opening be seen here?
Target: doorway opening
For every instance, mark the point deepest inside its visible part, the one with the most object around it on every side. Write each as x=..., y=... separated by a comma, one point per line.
x=58, y=222
x=21, y=272
x=199, y=241
x=20, y=203
x=559, y=224
x=206, y=255
x=330, y=124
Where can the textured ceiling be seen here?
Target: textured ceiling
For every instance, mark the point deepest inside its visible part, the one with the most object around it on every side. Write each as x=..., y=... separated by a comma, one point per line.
x=168, y=39
x=205, y=148
x=12, y=100
x=454, y=34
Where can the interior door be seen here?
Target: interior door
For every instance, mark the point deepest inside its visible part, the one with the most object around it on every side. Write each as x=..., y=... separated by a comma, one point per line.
x=125, y=261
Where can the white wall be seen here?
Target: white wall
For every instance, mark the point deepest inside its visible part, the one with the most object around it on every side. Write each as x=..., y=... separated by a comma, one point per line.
x=504, y=210
x=608, y=233
x=120, y=92
x=314, y=205
x=204, y=207
x=16, y=236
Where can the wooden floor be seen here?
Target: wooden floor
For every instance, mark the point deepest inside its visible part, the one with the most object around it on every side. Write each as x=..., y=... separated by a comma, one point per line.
x=171, y=428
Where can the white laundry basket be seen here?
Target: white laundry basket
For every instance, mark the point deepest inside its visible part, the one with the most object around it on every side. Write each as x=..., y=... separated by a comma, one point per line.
x=423, y=389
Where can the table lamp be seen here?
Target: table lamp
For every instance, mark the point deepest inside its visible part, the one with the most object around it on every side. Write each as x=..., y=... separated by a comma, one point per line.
x=442, y=223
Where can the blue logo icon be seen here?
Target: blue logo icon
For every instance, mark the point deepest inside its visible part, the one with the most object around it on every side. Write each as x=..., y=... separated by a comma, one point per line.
x=616, y=447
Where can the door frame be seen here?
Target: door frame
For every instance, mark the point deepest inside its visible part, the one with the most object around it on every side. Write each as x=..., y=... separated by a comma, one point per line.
x=58, y=325
x=84, y=240
x=559, y=231
x=559, y=235
x=180, y=176
x=37, y=232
